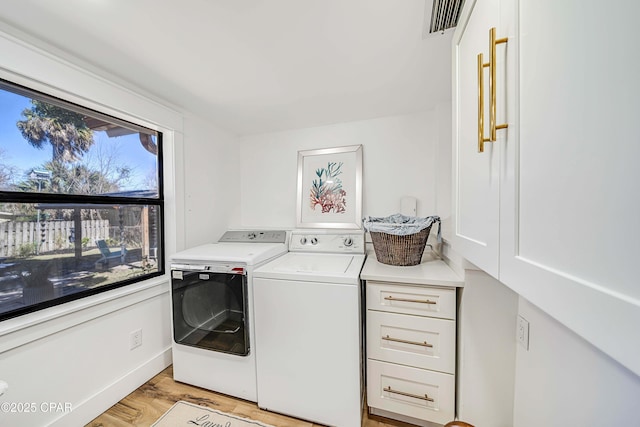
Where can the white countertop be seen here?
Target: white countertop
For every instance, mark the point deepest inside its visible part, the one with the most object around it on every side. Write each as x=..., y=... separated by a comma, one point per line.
x=431, y=271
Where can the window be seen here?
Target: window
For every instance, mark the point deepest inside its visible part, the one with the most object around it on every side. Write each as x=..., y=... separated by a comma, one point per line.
x=81, y=202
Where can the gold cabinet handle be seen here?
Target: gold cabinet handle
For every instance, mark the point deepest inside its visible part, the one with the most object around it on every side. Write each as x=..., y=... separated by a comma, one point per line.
x=415, y=396
x=423, y=344
x=493, y=42
x=481, y=138
x=420, y=301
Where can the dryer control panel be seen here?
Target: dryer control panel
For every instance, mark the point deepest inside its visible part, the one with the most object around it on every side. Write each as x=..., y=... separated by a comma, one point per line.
x=254, y=236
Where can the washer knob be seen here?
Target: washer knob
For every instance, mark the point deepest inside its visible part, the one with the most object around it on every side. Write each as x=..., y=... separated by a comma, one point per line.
x=314, y=241
x=348, y=241
x=303, y=240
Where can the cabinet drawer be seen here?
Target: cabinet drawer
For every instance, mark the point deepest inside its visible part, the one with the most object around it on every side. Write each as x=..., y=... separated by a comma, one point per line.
x=417, y=300
x=417, y=393
x=423, y=342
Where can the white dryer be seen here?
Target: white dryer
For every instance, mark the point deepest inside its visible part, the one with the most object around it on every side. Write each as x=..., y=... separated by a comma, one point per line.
x=212, y=310
x=308, y=328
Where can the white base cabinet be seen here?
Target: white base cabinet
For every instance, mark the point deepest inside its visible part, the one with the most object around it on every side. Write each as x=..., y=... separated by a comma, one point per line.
x=411, y=342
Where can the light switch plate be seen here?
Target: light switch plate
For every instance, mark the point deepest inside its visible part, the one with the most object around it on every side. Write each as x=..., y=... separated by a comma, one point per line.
x=408, y=206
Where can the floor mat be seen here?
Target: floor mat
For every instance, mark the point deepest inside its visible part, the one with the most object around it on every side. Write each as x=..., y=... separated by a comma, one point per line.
x=188, y=414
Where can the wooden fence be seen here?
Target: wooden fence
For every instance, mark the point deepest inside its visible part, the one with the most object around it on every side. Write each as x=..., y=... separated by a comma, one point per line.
x=26, y=238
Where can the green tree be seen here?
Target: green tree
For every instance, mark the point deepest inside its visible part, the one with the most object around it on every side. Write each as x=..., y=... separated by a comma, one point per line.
x=65, y=130
x=71, y=179
x=78, y=179
x=7, y=172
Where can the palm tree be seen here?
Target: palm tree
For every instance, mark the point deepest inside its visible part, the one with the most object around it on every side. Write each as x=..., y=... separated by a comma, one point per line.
x=65, y=130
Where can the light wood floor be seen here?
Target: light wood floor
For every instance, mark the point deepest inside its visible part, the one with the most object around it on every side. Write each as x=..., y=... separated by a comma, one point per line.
x=146, y=404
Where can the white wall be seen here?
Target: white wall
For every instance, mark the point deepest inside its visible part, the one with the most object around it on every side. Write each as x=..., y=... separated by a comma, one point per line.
x=212, y=185
x=563, y=380
x=486, y=351
x=398, y=160
x=83, y=359
x=444, y=176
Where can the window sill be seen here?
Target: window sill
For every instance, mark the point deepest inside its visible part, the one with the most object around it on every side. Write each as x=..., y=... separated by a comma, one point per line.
x=30, y=327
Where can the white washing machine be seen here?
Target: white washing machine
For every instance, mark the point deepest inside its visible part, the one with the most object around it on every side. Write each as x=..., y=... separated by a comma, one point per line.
x=308, y=328
x=212, y=310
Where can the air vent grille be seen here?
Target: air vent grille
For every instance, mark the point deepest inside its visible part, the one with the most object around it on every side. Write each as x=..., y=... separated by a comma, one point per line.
x=444, y=14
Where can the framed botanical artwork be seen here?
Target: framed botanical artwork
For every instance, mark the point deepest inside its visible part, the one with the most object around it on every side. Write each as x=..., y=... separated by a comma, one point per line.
x=330, y=188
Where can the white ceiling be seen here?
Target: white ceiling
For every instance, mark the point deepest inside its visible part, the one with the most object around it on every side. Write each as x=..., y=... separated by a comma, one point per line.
x=254, y=66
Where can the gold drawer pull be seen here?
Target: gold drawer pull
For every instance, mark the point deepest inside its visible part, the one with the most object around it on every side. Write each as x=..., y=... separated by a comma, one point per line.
x=493, y=41
x=493, y=127
x=481, y=138
x=423, y=344
x=415, y=396
x=421, y=301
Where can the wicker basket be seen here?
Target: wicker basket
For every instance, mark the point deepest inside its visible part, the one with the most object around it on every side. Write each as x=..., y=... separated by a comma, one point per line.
x=400, y=250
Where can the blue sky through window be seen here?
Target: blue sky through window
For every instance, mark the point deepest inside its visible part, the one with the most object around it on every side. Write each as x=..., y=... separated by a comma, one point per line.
x=18, y=153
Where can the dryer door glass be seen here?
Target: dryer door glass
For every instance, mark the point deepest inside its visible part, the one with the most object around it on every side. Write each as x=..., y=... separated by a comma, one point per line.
x=209, y=311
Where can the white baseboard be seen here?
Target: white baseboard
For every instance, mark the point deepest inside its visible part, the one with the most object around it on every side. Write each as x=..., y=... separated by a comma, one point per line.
x=98, y=403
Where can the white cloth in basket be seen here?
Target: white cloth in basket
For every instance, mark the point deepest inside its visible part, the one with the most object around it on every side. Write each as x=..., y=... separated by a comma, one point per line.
x=400, y=225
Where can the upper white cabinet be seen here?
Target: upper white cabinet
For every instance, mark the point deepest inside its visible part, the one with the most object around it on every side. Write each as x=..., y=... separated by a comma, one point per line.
x=477, y=175
x=551, y=208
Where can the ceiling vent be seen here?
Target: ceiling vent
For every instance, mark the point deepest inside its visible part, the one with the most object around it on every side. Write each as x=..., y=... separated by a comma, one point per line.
x=444, y=15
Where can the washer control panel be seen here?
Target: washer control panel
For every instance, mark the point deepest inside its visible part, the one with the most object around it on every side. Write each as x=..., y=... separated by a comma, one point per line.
x=327, y=241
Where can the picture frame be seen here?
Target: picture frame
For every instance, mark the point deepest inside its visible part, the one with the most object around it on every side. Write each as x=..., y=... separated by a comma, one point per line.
x=329, y=191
